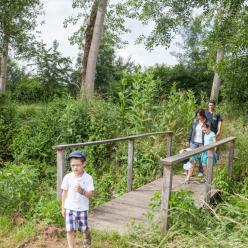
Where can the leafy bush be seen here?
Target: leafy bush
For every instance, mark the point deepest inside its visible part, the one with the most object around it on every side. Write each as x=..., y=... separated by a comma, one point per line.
x=136, y=100
x=19, y=188
x=29, y=91
x=49, y=211
x=7, y=126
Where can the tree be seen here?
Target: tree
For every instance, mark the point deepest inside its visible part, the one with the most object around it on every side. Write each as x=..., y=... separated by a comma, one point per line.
x=87, y=87
x=171, y=16
x=16, y=74
x=88, y=39
x=114, y=25
x=234, y=69
x=226, y=13
x=17, y=22
x=52, y=70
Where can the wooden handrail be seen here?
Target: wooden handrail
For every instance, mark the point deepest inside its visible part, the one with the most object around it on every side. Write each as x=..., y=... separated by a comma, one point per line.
x=101, y=142
x=168, y=172
x=180, y=157
x=61, y=158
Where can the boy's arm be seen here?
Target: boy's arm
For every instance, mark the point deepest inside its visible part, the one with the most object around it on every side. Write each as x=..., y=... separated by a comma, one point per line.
x=88, y=190
x=83, y=192
x=64, y=196
x=89, y=194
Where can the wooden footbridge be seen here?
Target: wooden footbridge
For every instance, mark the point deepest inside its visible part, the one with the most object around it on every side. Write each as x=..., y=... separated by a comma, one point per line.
x=116, y=214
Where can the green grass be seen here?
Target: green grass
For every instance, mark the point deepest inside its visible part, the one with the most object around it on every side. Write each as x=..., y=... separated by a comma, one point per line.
x=11, y=234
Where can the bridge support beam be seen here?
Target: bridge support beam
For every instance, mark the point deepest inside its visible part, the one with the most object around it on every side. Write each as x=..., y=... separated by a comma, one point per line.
x=60, y=171
x=167, y=185
x=130, y=165
x=230, y=160
x=209, y=176
x=166, y=190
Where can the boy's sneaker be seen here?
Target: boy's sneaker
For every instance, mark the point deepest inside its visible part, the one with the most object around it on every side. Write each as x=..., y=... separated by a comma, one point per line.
x=200, y=174
x=87, y=243
x=203, y=180
x=87, y=240
x=186, y=181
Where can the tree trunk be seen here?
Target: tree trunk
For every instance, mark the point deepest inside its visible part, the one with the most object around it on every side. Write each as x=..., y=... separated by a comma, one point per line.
x=3, y=72
x=88, y=38
x=217, y=81
x=88, y=90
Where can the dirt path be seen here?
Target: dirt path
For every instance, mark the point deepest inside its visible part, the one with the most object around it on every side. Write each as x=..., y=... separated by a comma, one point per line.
x=53, y=237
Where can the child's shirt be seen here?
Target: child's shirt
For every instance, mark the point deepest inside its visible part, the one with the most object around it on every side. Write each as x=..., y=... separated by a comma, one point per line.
x=209, y=138
x=74, y=200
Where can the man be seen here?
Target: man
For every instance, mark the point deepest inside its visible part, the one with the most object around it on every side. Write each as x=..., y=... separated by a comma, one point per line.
x=214, y=118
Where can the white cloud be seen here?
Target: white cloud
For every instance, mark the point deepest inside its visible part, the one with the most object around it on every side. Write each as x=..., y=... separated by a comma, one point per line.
x=56, y=11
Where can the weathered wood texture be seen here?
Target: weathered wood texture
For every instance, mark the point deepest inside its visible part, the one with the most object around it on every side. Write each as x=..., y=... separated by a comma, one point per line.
x=167, y=186
x=60, y=171
x=118, y=213
x=180, y=157
x=231, y=158
x=108, y=141
x=166, y=190
x=61, y=156
x=209, y=175
x=130, y=165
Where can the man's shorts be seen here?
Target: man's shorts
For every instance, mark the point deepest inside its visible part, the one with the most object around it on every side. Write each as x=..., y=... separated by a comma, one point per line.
x=76, y=220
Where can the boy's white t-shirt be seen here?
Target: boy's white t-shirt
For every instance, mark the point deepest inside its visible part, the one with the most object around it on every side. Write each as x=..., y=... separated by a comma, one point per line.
x=74, y=200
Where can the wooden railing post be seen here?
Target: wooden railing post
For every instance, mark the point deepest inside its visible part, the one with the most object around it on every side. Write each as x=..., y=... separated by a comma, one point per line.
x=167, y=185
x=230, y=160
x=209, y=176
x=60, y=170
x=130, y=164
x=166, y=190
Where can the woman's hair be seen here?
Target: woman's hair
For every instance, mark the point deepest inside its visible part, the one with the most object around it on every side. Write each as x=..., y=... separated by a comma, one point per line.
x=206, y=125
x=201, y=112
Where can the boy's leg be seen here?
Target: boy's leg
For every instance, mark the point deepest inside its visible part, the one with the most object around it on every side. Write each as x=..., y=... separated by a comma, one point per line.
x=70, y=227
x=87, y=237
x=83, y=227
x=191, y=171
x=70, y=239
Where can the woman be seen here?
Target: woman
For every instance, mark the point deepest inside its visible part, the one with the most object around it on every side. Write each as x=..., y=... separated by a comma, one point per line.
x=196, y=135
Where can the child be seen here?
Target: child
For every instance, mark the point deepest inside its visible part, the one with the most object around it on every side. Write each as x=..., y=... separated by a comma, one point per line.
x=77, y=187
x=209, y=138
x=188, y=165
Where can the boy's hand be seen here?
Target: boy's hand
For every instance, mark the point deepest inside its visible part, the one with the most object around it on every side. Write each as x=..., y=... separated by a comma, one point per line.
x=63, y=212
x=78, y=189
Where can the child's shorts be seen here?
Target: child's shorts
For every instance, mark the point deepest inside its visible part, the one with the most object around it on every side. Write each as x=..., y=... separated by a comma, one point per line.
x=204, y=158
x=76, y=220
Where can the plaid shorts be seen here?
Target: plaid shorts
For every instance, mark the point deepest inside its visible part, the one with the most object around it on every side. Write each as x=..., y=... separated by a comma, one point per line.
x=76, y=220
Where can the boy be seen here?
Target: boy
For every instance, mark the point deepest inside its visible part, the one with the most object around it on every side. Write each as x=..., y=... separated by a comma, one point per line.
x=77, y=187
x=188, y=165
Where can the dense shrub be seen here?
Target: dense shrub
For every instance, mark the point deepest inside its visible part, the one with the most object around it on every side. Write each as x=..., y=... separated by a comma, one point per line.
x=19, y=188
x=31, y=90
x=7, y=126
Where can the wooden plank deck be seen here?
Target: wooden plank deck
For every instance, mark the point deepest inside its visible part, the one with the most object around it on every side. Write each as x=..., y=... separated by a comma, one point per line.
x=116, y=214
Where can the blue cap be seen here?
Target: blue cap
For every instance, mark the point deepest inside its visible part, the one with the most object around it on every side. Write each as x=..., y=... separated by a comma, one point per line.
x=77, y=154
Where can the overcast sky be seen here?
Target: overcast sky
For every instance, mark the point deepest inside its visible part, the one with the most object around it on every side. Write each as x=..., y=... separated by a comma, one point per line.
x=56, y=11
